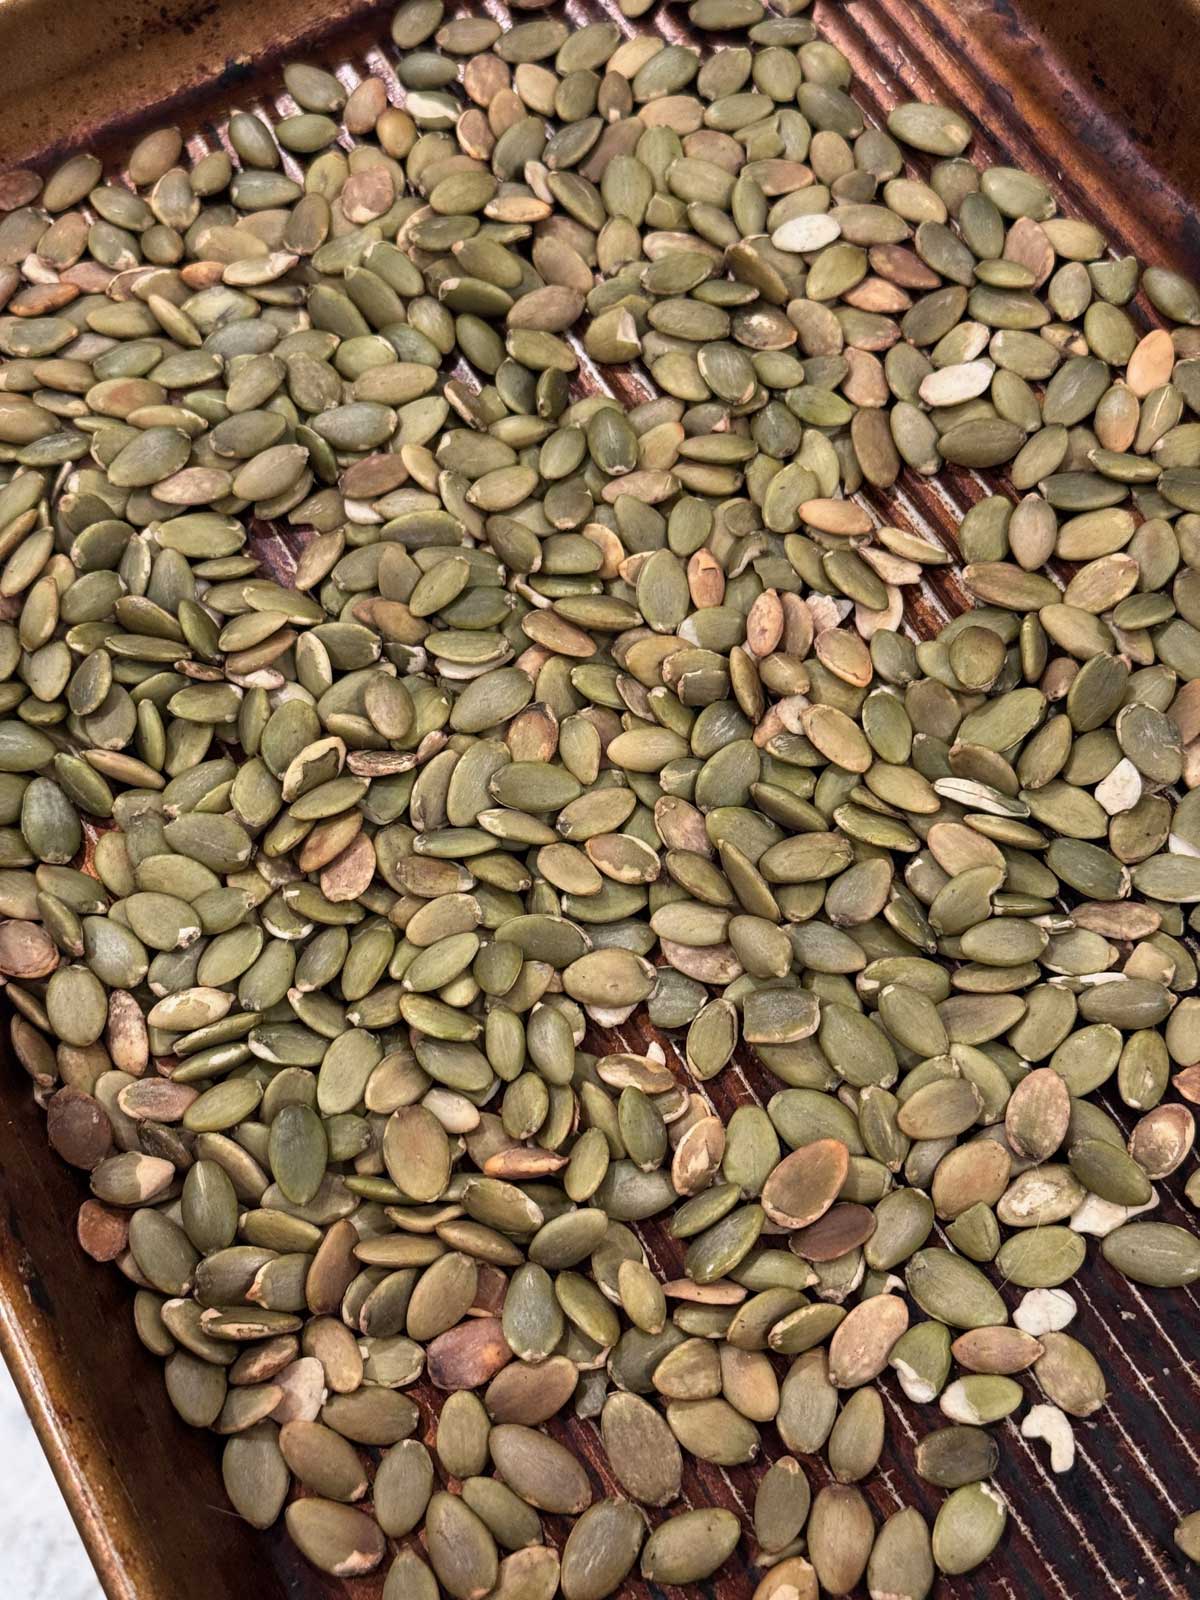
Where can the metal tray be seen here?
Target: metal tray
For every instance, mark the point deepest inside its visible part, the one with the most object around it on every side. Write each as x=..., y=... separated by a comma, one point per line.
x=1099, y=98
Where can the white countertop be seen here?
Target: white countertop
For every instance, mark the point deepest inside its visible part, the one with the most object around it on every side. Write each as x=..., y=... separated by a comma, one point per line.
x=41, y=1555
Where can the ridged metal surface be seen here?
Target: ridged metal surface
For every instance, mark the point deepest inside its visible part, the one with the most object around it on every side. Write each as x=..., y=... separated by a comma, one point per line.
x=1051, y=92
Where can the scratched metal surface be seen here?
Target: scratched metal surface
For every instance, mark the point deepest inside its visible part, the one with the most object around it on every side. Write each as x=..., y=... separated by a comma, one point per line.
x=145, y=1490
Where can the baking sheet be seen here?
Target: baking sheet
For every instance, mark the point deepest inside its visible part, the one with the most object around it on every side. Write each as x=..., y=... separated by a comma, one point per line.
x=1054, y=93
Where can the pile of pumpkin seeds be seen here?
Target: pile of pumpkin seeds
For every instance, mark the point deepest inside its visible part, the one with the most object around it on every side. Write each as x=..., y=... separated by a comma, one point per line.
x=577, y=707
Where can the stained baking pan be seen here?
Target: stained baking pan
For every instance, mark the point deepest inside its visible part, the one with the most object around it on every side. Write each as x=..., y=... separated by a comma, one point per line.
x=1096, y=96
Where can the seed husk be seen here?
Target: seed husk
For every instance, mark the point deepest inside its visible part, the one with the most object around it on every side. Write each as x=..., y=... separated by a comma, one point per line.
x=781, y=1504
x=901, y=1561
x=322, y=1460
x=402, y=1487
x=642, y=1449
x=462, y=1551
x=690, y=1546
x=841, y=1531
x=255, y=1475
x=335, y=1538
x=1070, y=1375
x=1155, y=1253
x=601, y=1549
x=1187, y=1536
x=954, y=1456
x=953, y=1290
x=806, y=1183
x=862, y=1342
x=856, y=1439
x=968, y=1528
x=539, y=1469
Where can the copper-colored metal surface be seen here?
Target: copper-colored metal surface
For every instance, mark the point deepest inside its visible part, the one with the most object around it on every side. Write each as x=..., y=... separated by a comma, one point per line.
x=75, y=70
x=1098, y=97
